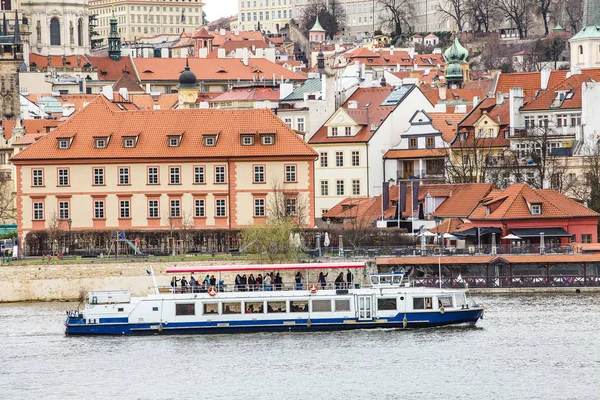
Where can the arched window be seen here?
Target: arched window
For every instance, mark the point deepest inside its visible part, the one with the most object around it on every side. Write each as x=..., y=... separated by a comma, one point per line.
x=54, y=32
x=580, y=49
x=80, y=32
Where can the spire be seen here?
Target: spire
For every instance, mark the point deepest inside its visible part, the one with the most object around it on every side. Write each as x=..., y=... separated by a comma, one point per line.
x=114, y=39
x=4, y=24
x=317, y=27
x=17, y=33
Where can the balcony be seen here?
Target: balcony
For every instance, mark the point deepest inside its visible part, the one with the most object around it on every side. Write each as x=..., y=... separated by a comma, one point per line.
x=522, y=132
x=423, y=174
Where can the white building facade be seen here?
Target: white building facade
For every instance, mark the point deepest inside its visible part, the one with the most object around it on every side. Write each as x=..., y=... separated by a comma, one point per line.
x=265, y=15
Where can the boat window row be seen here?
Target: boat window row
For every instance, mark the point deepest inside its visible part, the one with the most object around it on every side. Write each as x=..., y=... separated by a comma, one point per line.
x=262, y=307
x=426, y=303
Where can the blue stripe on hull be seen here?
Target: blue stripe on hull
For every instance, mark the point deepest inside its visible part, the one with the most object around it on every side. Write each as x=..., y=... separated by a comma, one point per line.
x=414, y=320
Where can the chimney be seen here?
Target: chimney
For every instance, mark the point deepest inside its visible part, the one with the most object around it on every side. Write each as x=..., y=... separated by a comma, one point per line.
x=442, y=92
x=222, y=32
x=499, y=98
x=391, y=50
x=475, y=101
x=352, y=105
x=221, y=53
x=124, y=93
x=245, y=56
x=236, y=32
x=515, y=103
x=545, y=77
x=397, y=67
x=441, y=108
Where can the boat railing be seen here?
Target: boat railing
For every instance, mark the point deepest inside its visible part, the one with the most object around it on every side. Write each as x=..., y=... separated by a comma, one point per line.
x=222, y=287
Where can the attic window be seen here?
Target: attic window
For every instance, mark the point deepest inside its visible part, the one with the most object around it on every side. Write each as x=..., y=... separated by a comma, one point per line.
x=267, y=140
x=247, y=140
x=536, y=209
x=63, y=144
x=174, y=141
x=487, y=210
x=210, y=140
x=101, y=143
x=129, y=142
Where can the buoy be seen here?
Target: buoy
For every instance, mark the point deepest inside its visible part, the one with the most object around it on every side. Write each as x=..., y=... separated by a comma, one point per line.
x=313, y=287
x=404, y=322
x=212, y=291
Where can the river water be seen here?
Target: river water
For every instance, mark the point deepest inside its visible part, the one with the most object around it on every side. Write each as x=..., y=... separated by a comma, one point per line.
x=526, y=347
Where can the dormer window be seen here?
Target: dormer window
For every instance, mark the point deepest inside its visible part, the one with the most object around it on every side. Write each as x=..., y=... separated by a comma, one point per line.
x=487, y=210
x=101, y=143
x=129, y=142
x=348, y=131
x=267, y=140
x=210, y=141
x=63, y=143
x=536, y=209
x=174, y=141
x=334, y=131
x=247, y=140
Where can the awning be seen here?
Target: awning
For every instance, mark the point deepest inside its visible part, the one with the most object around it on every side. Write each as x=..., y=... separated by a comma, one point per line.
x=473, y=232
x=537, y=232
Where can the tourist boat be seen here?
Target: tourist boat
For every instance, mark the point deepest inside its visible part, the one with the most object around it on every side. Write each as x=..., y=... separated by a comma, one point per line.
x=390, y=301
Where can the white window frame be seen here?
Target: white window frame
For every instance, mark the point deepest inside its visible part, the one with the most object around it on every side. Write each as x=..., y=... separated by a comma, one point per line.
x=63, y=177
x=356, y=158
x=259, y=174
x=98, y=176
x=153, y=175
x=38, y=211
x=37, y=177
x=124, y=208
x=259, y=207
x=99, y=209
x=220, y=208
x=340, y=189
x=64, y=211
x=174, y=175
x=199, y=174
x=290, y=174
x=124, y=176
x=153, y=207
x=199, y=208
x=174, y=208
x=220, y=174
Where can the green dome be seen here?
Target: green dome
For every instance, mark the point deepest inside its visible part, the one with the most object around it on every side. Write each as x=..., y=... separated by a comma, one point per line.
x=456, y=52
x=454, y=71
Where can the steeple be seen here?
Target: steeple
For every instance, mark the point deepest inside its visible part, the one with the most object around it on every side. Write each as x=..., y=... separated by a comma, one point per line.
x=4, y=23
x=591, y=13
x=114, y=39
x=17, y=34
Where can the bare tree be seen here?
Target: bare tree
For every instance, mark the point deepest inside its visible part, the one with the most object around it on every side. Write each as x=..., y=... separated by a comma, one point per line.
x=396, y=15
x=55, y=233
x=185, y=225
x=543, y=8
x=332, y=17
x=283, y=205
x=455, y=10
x=519, y=12
x=470, y=160
x=7, y=199
x=481, y=14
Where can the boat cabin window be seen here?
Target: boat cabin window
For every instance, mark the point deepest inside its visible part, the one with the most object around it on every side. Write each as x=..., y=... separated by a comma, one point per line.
x=253, y=307
x=232, y=308
x=185, y=309
x=342, y=304
x=375, y=280
x=299, y=306
x=422, y=303
x=275, y=306
x=154, y=308
x=445, y=301
x=397, y=279
x=321, y=305
x=210, y=308
x=386, y=304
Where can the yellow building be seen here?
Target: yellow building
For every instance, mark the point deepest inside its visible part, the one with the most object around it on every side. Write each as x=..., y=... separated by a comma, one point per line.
x=155, y=169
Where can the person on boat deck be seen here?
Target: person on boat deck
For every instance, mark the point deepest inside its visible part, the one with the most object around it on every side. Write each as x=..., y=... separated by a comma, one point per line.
x=278, y=282
x=238, y=283
x=252, y=282
x=339, y=281
x=174, y=281
x=213, y=280
x=244, y=283
x=193, y=284
x=349, y=278
x=322, y=280
x=206, y=281
x=259, y=281
x=183, y=285
x=299, y=279
x=267, y=282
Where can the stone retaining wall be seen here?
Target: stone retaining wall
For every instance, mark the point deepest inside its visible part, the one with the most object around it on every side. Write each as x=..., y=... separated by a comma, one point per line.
x=68, y=281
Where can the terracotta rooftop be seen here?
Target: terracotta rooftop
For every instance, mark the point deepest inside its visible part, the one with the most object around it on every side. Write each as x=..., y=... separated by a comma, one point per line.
x=432, y=60
x=149, y=102
x=515, y=203
x=32, y=126
x=231, y=35
x=112, y=70
x=446, y=123
x=57, y=61
x=463, y=199
x=377, y=113
x=498, y=113
x=153, y=128
x=450, y=225
x=128, y=82
x=571, y=89
x=218, y=69
x=531, y=82
x=252, y=94
x=398, y=154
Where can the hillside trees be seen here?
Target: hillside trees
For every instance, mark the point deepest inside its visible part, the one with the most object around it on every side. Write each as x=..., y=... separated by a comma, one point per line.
x=332, y=17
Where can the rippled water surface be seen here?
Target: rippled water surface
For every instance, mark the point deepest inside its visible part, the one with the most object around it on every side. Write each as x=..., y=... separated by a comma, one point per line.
x=526, y=347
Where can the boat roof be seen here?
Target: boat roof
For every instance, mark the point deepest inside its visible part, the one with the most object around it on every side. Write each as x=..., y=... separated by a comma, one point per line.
x=265, y=267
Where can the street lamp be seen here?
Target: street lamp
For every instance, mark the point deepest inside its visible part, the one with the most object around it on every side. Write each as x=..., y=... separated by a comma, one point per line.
x=70, y=222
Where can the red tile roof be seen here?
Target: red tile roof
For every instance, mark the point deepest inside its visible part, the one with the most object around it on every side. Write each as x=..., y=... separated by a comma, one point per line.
x=252, y=94
x=32, y=126
x=148, y=102
x=128, y=82
x=572, y=84
x=220, y=69
x=399, y=154
x=529, y=81
x=155, y=126
x=498, y=113
x=451, y=225
x=230, y=35
x=57, y=61
x=446, y=123
x=514, y=203
x=429, y=60
x=111, y=70
x=363, y=96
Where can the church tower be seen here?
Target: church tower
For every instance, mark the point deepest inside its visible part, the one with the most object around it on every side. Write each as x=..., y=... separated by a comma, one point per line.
x=187, y=89
x=11, y=61
x=114, y=39
x=585, y=45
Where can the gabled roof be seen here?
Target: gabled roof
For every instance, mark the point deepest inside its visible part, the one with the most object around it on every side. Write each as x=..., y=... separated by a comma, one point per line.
x=451, y=225
x=446, y=123
x=231, y=35
x=252, y=94
x=32, y=126
x=376, y=114
x=500, y=114
x=429, y=60
x=514, y=203
x=205, y=69
x=149, y=102
x=57, y=61
x=126, y=81
x=155, y=126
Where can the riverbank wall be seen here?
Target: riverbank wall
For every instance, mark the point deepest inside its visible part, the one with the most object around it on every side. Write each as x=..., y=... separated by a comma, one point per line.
x=68, y=282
